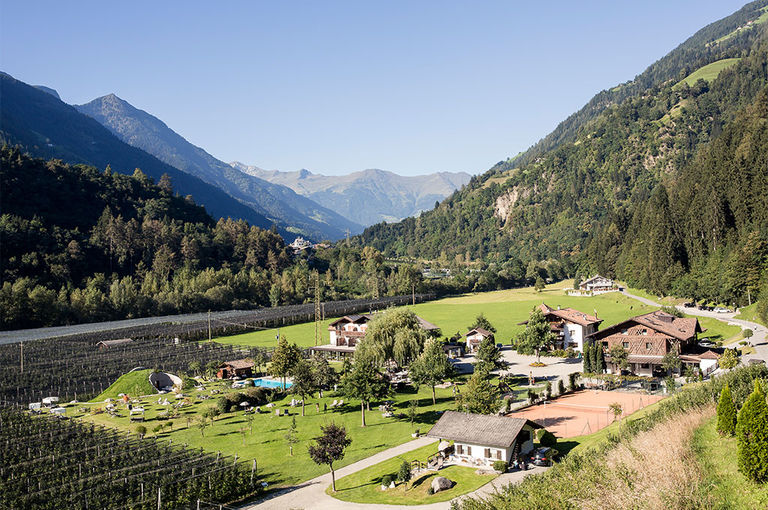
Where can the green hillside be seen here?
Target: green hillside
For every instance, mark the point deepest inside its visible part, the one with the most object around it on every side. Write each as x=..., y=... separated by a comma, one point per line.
x=616, y=199
x=134, y=383
x=707, y=73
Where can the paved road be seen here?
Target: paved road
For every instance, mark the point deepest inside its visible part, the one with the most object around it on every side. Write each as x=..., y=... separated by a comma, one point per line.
x=311, y=495
x=759, y=340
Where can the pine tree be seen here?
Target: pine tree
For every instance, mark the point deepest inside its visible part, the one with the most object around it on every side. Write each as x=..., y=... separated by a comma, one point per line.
x=726, y=413
x=599, y=365
x=752, y=436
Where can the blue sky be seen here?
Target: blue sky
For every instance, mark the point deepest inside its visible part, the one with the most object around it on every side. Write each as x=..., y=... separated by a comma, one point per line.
x=408, y=86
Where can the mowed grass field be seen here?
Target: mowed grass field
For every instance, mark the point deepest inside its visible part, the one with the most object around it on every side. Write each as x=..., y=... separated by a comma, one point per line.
x=504, y=308
x=265, y=441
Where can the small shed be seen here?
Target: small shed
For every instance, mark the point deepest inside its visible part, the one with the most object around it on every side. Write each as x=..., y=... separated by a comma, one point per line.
x=235, y=368
x=481, y=439
x=106, y=344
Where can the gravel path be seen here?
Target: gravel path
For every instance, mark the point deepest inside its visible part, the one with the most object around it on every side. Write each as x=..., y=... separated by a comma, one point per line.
x=311, y=495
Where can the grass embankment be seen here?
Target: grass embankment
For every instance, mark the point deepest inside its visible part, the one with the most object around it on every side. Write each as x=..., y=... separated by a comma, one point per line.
x=727, y=487
x=749, y=313
x=365, y=486
x=504, y=308
x=134, y=383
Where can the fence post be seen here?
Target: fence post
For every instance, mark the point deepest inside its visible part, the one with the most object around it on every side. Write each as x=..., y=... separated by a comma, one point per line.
x=158, y=499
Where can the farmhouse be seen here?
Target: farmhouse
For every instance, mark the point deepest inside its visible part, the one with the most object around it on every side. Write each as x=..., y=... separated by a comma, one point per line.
x=597, y=284
x=480, y=439
x=475, y=337
x=647, y=338
x=345, y=333
x=571, y=326
x=106, y=344
x=236, y=368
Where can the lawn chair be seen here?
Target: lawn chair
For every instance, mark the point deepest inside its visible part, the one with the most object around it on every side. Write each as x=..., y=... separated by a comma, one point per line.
x=334, y=404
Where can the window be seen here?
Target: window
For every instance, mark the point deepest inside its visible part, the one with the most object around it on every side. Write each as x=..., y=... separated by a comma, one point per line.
x=459, y=449
x=625, y=345
x=469, y=450
x=498, y=454
x=487, y=453
x=644, y=365
x=605, y=345
x=648, y=346
x=644, y=332
x=624, y=331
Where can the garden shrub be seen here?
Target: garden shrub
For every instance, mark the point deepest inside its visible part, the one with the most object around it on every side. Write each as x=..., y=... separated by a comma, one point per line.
x=386, y=480
x=500, y=466
x=546, y=438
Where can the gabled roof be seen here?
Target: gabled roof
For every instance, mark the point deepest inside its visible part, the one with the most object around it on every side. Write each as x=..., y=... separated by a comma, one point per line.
x=479, y=429
x=237, y=364
x=596, y=277
x=352, y=319
x=660, y=321
x=570, y=315
x=484, y=332
x=363, y=318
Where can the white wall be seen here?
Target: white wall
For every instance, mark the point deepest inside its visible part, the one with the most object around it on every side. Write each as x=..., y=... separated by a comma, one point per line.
x=333, y=337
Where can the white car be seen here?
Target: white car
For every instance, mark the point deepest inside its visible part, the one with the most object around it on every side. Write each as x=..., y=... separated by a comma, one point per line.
x=721, y=309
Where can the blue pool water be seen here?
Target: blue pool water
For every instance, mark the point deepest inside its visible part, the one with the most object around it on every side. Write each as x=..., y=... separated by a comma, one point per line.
x=268, y=383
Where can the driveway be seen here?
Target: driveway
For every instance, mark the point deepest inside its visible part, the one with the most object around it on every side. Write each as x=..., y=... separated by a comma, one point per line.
x=759, y=339
x=311, y=495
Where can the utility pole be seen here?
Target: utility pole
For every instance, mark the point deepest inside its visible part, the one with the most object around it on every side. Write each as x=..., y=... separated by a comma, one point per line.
x=21, y=347
x=209, y=325
x=318, y=310
x=413, y=293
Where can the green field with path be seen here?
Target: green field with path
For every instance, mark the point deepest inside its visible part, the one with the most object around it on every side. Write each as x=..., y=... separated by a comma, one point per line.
x=504, y=308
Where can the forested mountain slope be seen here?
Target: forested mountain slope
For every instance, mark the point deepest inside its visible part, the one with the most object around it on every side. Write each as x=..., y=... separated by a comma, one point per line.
x=47, y=127
x=369, y=196
x=578, y=203
x=275, y=201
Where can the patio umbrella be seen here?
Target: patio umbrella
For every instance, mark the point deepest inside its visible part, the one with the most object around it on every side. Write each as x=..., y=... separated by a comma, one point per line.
x=444, y=445
x=244, y=404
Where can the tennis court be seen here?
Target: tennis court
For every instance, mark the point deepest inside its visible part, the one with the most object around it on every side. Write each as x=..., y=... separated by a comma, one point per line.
x=584, y=412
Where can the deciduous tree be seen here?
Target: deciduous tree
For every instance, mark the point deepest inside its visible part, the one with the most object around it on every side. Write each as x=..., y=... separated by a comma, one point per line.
x=329, y=448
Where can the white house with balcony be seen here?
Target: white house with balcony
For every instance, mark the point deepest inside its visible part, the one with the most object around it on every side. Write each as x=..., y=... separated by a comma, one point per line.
x=481, y=440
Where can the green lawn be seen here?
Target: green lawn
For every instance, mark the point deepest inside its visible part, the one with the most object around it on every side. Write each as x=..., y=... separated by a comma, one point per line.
x=709, y=72
x=132, y=383
x=267, y=443
x=718, y=330
x=365, y=485
x=726, y=485
x=504, y=308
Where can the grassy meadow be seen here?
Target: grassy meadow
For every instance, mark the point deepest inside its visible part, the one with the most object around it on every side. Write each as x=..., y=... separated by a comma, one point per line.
x=504, y=308
x=708, y=72
x=264, y=439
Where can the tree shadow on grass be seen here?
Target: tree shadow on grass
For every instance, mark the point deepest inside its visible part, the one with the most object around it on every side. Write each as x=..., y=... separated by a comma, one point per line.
x=565, y=447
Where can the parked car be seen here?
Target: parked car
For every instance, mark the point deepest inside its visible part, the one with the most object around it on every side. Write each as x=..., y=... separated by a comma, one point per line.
x=722, y=309
x=543, y=456
x=706, y=343
x=689, y=304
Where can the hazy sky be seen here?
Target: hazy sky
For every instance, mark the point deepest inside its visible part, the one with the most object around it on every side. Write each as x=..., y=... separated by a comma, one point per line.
x=407, y=86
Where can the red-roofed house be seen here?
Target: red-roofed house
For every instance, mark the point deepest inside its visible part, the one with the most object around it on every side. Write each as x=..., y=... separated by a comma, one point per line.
x=647, y=338
x=571, y=326
x=475, y=337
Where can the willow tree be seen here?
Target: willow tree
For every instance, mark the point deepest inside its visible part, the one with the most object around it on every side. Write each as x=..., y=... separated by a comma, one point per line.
x=395, y=335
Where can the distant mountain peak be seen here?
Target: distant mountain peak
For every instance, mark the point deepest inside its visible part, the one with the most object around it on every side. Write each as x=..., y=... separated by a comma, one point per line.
x=304, y=173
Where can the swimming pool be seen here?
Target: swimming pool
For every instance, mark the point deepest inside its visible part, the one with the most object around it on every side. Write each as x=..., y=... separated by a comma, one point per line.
x=271, y=383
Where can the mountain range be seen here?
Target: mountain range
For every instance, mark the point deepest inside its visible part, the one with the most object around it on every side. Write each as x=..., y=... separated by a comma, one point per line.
x=279, y=203
x=370, y=196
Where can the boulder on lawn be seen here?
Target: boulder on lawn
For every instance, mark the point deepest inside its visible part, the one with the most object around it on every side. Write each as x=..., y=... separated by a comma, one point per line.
x=441, y=483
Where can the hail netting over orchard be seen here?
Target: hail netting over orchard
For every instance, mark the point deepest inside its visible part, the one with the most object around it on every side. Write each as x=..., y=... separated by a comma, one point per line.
x=48, y=464
x=72, y=367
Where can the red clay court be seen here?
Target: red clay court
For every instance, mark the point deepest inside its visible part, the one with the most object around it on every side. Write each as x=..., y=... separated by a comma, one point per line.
x=583, y=412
